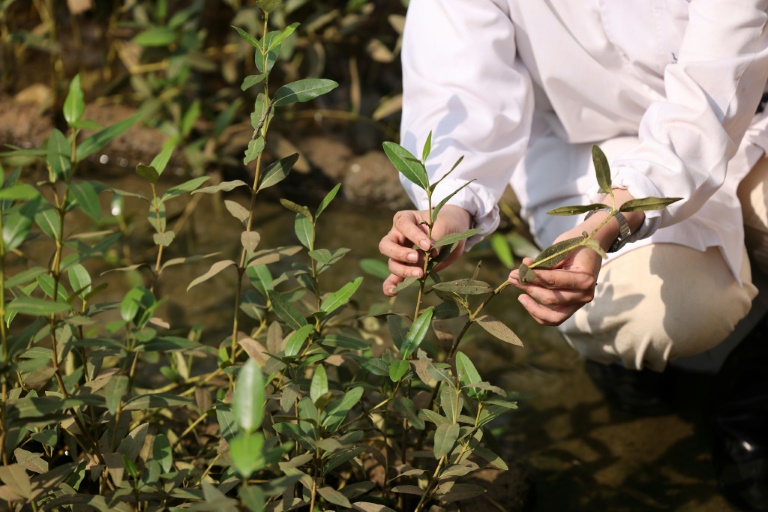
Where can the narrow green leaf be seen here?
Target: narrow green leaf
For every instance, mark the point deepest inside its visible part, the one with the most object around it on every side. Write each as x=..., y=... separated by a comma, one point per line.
x=252, y=80
x=466, y=370
x=215, y=269
x=602, y=170
x=456, y=237
x=16, y=227
x=286, y=311
x=278, y=171
x=296, y=340
x=407, y=164
x=162, y=452
x=304, y=231
x=427, y=147
x=59, y=154
x=556, y=253
x=21, y=192
x=249, y=398
x=455, y=165
x=100, y=139
x=287, y=31
x=224, y=186
x=445, y=438
x=36, y=307
x=79, y=279
x=327, y=200
x=301, y=210
x=48, y=221
x=148, y=173
x=339, y=298
x=500, y=246
x=526, y=274
x=648, y=203
x=499, y=330
x=407, y=408
x=156, y=36
x=187, y=186
x=398, y=368
x=464, y=287
x=319, y=384
x=442, y=203
x=269, y=6
x=397, y=331
x=164, y=239
x=333, y=496
x=245, y=36
x=74, y=105
x=161, y=159
x=246, y=452
x=255, y=147
x=116, y=389
x=408, y=281
x=338, y=410
x=302, y=90
x=87, y=198
x=416, y=333
x=375, y=268
x=575, y=209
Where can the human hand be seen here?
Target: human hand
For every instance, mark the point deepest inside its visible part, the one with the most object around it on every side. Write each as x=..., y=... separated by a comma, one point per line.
x=397, y=245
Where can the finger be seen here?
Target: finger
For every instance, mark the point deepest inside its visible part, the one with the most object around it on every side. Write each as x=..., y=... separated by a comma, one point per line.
x=391, y=247
x=408, y=224
x=403, y=271
x=557, y=297
x=389, y=285
x=543, y=314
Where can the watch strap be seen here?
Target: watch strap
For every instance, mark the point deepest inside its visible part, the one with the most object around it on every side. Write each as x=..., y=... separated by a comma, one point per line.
x=624, y=231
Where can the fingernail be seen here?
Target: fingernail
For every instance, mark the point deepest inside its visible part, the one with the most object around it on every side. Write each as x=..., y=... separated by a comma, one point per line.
x=391, y=290
x=415, y=273
x=424, y=244
x=413, y=257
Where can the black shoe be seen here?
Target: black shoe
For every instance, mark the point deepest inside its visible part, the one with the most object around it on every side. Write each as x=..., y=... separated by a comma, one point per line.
x=740, y=444
x=640, y=393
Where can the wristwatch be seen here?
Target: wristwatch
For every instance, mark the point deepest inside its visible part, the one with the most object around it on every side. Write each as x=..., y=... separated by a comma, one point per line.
x=624, y=231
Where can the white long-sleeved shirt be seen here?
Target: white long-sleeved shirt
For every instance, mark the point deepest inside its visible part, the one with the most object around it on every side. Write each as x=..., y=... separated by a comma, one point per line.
x=685, y=77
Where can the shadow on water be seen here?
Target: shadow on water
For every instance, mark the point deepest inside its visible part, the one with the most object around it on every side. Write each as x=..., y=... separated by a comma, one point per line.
x=583, y=455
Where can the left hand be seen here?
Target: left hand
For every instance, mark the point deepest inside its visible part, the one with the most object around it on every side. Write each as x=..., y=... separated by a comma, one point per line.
x=557, y=293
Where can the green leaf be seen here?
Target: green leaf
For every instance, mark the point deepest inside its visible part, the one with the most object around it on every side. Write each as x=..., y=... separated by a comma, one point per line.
x=576, y=209
x=333, y=496
x=427, y=147
x=339, y=298
x=648, y=203
x=227, y=424
x=21, y=192
x=215, y=269
x=416, y=333
x=255, y=147
x=252, y=80
x=500, y=246
x=319, y=385
x=408, y=281
x=100, y=139
x=464, y=287
x=162, y=452
x=246, y=452
x=499, y=330
x=189, y=118
x=602, y=170
x=164, y=239
x=249, y=398
x=187, y=186
x=327, y=200
x=156, y=36
x=407, y=408
x=407, y=165
x=302, y=90
x=296, y=208
x=250, y=240
x=278, y=171
x=375, y=268
x=445, y=437
x=245, y=36
x=268, y=6
x=161, y=159
x=398, y=368
x=116, y=389
x=396, y=330
x=338, y=410
x=36, y=307
x=287, y=31
x=468, y=374
x=15, y=230
x=87, y=198
x=296, y=340
x=456, y=237
x=252, y=497
x=304, y=231
x=74, y=105
x=442, y=203
x=556, y=253
x=224, y=186
x=148, y=173
x=455, y=165
x=286, y=311
x=59, y=154
x=526, y=274
x=79, y=279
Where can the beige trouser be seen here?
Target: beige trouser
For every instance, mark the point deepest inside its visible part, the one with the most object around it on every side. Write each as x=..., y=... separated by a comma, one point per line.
x=700, y=304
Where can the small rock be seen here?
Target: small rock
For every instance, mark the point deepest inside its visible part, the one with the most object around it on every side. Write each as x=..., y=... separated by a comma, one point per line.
x=328, y=155
x=371, y=179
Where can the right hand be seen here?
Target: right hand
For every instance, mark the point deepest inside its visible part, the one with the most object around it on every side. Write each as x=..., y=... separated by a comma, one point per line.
x=397, y=245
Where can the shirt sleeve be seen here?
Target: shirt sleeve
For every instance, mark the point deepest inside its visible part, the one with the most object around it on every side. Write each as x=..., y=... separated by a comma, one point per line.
x=711, y=94
x=463, y=81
